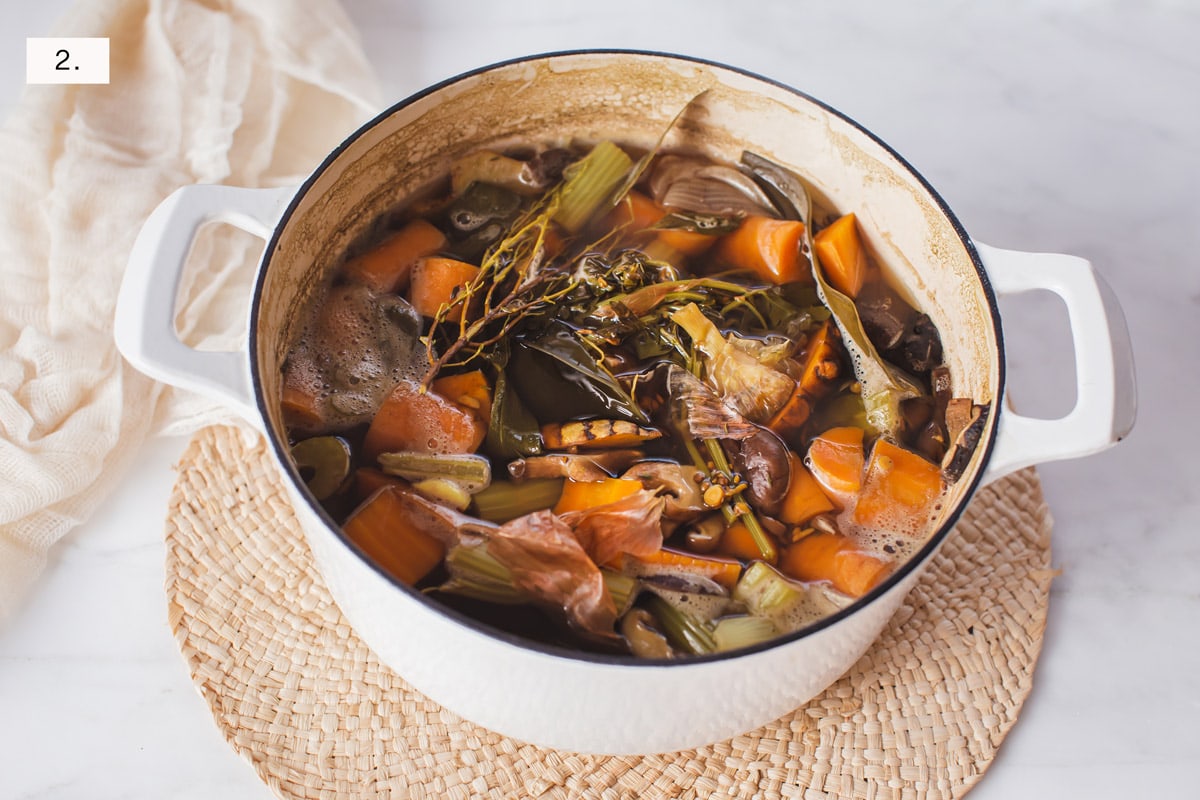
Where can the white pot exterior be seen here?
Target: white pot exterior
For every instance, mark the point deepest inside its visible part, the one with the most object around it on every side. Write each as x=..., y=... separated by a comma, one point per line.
x=575, y=701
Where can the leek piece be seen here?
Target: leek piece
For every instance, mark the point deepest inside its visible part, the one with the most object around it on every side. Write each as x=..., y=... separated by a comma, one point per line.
x=732, y=633
x=589, y=183
x=505, y=500
x=682, y=630
x=473, y=472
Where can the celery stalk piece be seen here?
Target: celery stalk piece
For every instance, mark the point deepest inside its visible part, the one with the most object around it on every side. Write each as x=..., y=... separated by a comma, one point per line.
x=788, y=604
x=589, y=183
x=475, y=573
x=682, y=630
x=472, y=472
x=621, y=588
x=732, y=633
x=505, y=500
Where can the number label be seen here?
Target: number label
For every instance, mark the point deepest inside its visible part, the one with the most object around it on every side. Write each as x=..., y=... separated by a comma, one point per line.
x=66, y=60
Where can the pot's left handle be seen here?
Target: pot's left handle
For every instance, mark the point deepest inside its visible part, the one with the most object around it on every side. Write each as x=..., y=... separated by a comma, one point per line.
x=144, y=326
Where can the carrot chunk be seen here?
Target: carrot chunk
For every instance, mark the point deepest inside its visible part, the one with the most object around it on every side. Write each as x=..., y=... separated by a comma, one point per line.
x=469, y=390
x=842, y=257
x=900, y=489
x=836, y=459
x=299, y=406
x=582, y=495
x=422, y=422
x=388, y=266
x=722, y=570
x=435, y=282
x=837, y=559
x=638, y=215
x=770, y=248
x=382, y=529
x=368, y=481
x=738, y=542
x=822, y=367
x=804, y=499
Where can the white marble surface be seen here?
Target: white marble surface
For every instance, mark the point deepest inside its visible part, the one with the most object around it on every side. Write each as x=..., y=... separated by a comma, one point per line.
x=1068, y=126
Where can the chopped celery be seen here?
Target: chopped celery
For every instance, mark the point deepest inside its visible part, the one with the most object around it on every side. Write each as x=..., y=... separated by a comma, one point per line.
x=475, y=573
x=589, y=184
x=683, y=630
x=473, y=472
x=324, y=463
x=506, y=500
x=786, y=603
x=621, y=588
x=731, y=633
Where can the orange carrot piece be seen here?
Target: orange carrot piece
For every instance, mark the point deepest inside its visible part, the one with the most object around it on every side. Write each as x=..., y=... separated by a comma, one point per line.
x=388, y=266
x=469, y=390
x=635, y=213
x=835, y=558
x=900, y=489
x=434, y=283
x=805, y=498
x=582, y=495
x=368, y=481
x=821, y=369
x=690, y=243
x=737, y=542
x=836, y=459
x=842, y=256
x=300, y=409
x=724, y=571
x=639, y=214
x=382, y=529
x=770, y=248
x=553, y=241
x=422, y=422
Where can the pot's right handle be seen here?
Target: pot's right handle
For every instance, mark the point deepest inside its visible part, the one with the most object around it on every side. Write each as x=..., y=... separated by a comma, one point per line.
x=144, y=324
x=1105, y=391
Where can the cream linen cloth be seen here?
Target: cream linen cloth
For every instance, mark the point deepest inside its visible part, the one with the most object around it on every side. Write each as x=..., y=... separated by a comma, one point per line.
x=242, y=92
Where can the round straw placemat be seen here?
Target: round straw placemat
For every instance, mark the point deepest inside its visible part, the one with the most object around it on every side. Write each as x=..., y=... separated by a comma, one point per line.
x=307, y=704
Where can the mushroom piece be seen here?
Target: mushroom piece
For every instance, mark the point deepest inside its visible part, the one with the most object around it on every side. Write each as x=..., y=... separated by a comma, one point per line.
x=965, y=440
x=762, y=460
x=644, y=639
x=922, y=346
x=576, y=466
x=884, y=317
x=704, y=534
x=676, y=485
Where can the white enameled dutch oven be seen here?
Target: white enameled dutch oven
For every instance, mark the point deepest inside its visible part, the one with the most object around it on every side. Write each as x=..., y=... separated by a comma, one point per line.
x=542, y=694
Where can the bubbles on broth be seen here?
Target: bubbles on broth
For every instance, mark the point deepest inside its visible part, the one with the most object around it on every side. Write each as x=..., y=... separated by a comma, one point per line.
x=355, y=347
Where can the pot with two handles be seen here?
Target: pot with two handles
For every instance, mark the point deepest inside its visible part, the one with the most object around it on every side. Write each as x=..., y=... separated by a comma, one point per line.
x=542, y=694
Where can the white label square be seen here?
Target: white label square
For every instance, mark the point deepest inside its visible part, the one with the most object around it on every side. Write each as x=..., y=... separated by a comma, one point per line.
x=66, y=60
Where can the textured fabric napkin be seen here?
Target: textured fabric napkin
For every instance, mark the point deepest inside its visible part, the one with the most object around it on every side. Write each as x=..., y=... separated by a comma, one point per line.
x=243, y=92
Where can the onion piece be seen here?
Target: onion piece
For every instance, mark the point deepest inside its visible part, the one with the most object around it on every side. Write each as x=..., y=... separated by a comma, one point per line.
x=705, y=188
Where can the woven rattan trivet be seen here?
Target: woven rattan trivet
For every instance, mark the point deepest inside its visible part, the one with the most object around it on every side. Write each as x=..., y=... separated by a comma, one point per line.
x=301, y=698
